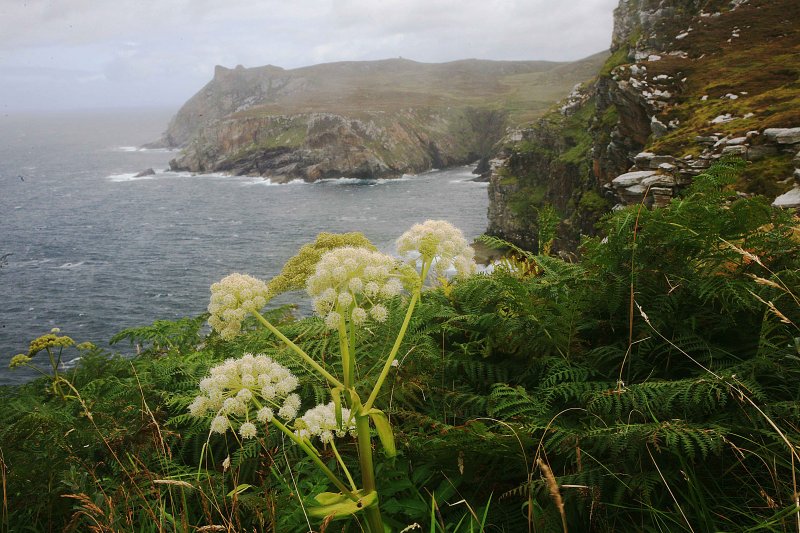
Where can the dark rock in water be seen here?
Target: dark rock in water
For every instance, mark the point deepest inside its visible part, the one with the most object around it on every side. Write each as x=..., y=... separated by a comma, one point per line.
x=483, y=166
x=483, y=170
x=146, y=172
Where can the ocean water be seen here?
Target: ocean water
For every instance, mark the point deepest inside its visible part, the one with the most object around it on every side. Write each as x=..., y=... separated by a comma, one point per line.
x=94, y=250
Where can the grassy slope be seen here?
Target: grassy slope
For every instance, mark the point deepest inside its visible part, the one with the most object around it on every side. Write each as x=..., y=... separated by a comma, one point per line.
x=761, y=67
x=525, y=88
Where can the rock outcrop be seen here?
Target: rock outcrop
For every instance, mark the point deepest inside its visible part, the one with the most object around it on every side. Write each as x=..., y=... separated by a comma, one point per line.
x=361, y=119
x=688, y=82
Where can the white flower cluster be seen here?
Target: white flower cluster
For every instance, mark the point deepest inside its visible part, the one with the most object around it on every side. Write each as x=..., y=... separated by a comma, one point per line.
x=231, y=299
x=440, y=242
x=320, y=421
x=237, y=388
x=352, y=282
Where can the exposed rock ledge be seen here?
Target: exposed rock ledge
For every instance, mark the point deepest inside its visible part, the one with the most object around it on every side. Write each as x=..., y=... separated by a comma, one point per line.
x=315, y=146
x=655, y=179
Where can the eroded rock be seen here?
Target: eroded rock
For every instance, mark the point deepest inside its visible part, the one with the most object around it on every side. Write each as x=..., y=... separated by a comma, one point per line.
x=789, y=200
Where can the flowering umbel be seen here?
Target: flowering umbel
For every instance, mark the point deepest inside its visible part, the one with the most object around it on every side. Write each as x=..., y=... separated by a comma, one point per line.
x=320, y=421
x=352, y=283
x=441, y=243
x=239, y=391
x=231, y=299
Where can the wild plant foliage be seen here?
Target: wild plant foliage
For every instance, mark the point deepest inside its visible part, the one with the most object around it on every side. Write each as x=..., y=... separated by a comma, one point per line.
x=650, y=387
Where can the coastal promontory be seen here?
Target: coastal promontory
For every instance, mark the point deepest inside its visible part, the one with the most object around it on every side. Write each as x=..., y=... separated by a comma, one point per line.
x=362, y=119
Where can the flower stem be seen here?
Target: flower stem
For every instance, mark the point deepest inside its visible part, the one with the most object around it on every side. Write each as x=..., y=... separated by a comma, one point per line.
x=312, y=453
x=373, y=513
x=344, y=467
x=299, y=351
x=398, y=341
x=344, y=349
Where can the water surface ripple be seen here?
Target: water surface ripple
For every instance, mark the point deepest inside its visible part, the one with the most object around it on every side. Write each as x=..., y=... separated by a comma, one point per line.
x=95, y=250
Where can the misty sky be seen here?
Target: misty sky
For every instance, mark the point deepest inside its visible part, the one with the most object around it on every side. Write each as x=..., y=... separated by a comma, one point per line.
x=68, y=54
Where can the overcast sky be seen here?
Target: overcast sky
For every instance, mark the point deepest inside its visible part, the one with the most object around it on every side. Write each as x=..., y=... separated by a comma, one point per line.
x=66, y=54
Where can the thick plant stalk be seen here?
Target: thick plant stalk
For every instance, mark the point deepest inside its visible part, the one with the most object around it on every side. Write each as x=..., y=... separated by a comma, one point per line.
x=373, y=513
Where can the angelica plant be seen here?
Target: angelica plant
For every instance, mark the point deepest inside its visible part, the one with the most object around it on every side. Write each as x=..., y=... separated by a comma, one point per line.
x=53, y=345
x=350, y=285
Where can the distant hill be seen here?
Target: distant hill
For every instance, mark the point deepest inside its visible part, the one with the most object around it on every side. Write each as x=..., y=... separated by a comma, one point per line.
x=363, y=119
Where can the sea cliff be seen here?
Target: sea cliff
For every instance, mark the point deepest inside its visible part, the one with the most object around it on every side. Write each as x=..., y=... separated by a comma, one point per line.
x=362, y=119
x=687, y=83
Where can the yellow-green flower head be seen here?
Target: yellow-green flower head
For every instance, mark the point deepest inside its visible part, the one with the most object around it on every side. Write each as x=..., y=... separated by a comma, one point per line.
x=19, y=360
x=320, y=422
x=349, y=282
x=231, y=299
x=296, y=271
x=441, y=243
x=238, y=391
x=50, y=340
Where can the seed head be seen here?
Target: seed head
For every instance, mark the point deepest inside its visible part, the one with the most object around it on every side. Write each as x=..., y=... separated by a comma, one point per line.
x=320, y=422
x=441, y=243
x=348, y=282
x=231, y=299
x=238, y=390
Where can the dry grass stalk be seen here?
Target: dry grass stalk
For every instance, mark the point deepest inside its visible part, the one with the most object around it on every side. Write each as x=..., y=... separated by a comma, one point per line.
x=175, y=482
x=555, y=493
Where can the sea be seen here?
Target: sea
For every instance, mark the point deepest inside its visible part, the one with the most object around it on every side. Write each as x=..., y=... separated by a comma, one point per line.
x=90, y=248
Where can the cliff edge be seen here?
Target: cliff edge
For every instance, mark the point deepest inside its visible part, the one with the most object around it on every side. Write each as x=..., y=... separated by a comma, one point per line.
x=687, y=82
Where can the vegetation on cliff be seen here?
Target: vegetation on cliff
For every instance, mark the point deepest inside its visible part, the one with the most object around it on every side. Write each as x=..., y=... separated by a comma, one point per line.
x=687, y=82
x=363, y=119
x=652, y=387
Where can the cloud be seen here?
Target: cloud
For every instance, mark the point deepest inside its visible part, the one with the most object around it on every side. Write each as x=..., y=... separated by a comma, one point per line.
x=173, y=45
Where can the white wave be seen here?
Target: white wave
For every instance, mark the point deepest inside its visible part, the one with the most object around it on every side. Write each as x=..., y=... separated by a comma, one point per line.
x=71, y=265
x=133, y=176
x=201, y=175
x=404, y=177
x=67, y=365
x=264, y=182
x=158, y=150
x=185, y=174
x=31, y=262
x=130, y=176
x=141, y=149
x=470, y=181
x=343, y=181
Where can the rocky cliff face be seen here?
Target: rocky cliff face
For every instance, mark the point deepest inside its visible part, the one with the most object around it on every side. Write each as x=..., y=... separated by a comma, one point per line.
x=687, y=82
x=318, y=145
x=361, y=119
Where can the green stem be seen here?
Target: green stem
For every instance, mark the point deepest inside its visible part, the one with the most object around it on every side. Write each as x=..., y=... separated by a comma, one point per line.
x=344, y=349
x=352, y=345
x=387, y=366
x=56, y=378
x=373, y=513
x=344, y=466
x=299, y=351
x=312, y=453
